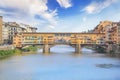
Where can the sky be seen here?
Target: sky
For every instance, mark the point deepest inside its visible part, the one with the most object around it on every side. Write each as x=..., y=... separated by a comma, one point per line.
x=60, y=15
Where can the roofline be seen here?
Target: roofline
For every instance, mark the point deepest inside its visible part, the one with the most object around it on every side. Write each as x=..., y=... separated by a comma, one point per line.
x=58, y=33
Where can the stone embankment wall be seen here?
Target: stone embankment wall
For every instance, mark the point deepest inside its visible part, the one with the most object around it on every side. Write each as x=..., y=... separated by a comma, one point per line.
x=115, y=50
x=6, y=47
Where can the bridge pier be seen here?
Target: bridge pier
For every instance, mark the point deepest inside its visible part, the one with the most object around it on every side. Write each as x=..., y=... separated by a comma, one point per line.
x=46, y=49
x=113, y=47
x=109, y=48
x=78, y=48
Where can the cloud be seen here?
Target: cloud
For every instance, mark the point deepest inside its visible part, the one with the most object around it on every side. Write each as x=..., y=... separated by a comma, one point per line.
x=26, y=10
x=51, y=27
x=84, y=18
x=65, y=3
x=96, y=7
x=39, y=7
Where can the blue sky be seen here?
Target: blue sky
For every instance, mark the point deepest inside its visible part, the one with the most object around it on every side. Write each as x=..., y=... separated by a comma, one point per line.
x=60, y=15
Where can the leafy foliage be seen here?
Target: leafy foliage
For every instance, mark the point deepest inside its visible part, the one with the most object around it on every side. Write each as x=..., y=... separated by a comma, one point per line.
x=5, y=53
x=100, y=49
x=30, y=48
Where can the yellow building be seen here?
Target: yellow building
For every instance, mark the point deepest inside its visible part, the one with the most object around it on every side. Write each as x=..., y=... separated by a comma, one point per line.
x=32, y=38
x=87, y=38
x=111, y=31
x=1, y=22
x=57, y=38
x=115, y=33
x=104, y=27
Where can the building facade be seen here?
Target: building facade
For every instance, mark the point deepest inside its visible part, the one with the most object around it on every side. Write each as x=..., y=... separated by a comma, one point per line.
x=9, y=29
x=1, y=22
x=115, y=33
x=28, y=28
x=50, y=38
x=104, y=27
x=111, y=31
x=5, y=33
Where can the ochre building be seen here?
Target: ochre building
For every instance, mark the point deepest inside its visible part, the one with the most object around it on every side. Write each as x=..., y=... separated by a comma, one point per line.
x=57, y=38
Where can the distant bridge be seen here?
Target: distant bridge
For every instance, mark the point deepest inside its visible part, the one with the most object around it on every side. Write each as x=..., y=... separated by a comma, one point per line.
x=57, y=38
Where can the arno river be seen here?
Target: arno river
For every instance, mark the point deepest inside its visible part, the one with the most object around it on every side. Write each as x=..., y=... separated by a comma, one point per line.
x=61, y=64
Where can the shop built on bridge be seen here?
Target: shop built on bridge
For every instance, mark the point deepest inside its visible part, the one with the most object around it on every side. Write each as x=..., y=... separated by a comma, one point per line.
x=49, y=39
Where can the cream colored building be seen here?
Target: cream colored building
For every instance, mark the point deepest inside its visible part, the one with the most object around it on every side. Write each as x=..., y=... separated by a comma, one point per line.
x=14, y=28
x=9, y=29
x=5, y=33
x=28, y=28
x=1, y=22
x=18, y=28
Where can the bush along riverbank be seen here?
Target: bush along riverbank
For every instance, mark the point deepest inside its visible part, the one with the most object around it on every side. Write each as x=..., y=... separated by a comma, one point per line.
x=100, y=49
x=29, y=49
x=115, y=51
x=7, y=53
x=111, y=53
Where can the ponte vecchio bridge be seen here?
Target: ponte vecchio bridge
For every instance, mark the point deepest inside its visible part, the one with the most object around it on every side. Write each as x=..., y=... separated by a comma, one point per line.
x=49, y=39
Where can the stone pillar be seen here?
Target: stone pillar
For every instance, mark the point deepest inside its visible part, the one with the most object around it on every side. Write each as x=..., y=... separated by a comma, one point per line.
x=78, y=48
x=117, y=50
x=46, y=49
x=109, y=48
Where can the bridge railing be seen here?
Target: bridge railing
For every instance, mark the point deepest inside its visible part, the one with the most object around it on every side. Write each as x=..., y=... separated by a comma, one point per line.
x=86, y=42
x=38, y=42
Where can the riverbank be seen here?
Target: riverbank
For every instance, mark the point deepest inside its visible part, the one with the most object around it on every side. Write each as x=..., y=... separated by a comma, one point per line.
x=102, y=50
x=27, y=50
x=6, y=53
x=6, y=47
x=117, y=55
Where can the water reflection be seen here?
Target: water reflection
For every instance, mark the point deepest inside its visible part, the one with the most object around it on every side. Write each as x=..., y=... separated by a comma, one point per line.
x=61, y=64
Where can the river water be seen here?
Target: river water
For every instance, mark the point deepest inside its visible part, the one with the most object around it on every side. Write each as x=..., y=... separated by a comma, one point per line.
x=61, y=64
